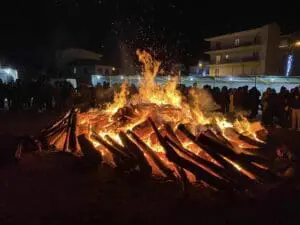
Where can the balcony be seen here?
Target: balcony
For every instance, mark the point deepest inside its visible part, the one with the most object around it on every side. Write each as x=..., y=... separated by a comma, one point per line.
x=244, y=46
x=251, y=59
x=228, y=46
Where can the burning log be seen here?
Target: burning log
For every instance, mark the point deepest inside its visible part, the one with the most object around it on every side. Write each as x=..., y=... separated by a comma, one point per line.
x=205, y=148
x=233, y=173
x=159, y=163
x=60, y=141
x=172, y=135
x=73, y=131
x=143, y=129
x=219, y=137
x=50, y=141
x=251, y=141
x=53, y=127
x=183, y=179
x=66, y=144
x=124, y=165
x=229, y=153
x=213, y=167
x=200, y=173
x=248, y=140
x=144, y=166
x=117, y=153
x=119, y=147
x=91, y=155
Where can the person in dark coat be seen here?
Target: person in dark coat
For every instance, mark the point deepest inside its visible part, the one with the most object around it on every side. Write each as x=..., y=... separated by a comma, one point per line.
x=295, y=106
x=254, y=96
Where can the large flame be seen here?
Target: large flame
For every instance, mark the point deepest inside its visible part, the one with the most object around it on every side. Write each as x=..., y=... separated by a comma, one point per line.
x=150, y=91
x=165, y=105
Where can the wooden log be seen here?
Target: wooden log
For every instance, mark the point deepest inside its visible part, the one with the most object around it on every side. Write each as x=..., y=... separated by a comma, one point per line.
x=158, y=162
x=69, y=126
x=62, y=120
x=218, y=137
x=67, y=144
x=172, y=135
x=54, y=130
x=242, y=162
x=221, y=172
x=248, y=140
x=115, y=151
x=205, y=148
x=124, y=164
x=59, y=142
x=183, y=180
x=188, y=165
x=52, y=139
x=144, y=166
x=255, y=159
x=217, y=145
x=251, y=141
x=73, y=132
x=121, y=148
x=232, y=171
x=91, y=155
x=213, y=167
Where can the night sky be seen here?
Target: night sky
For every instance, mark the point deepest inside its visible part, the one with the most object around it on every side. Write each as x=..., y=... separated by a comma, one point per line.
x=172, y=30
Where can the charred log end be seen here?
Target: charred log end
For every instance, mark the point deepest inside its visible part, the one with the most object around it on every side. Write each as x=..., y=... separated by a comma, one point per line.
x=143, y=165
x=92, y=157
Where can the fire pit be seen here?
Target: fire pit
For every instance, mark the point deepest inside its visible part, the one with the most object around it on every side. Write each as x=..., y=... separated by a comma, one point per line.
x=159, y=132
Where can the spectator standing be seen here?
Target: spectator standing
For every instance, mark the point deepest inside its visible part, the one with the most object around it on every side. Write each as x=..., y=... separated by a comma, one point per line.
x=295, y=106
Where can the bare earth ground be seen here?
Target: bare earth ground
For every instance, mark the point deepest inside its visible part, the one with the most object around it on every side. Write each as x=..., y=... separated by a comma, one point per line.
x=48, y=189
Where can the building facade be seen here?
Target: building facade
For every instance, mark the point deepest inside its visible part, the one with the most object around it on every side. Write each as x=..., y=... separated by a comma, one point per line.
x=81, y=65
x=245, y=53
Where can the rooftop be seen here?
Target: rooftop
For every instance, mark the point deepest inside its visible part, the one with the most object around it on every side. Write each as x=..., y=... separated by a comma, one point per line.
x=240, y=33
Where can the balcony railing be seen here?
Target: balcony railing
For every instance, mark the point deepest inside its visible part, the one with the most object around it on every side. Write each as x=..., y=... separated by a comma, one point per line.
x=237, y=60
x=229, y=46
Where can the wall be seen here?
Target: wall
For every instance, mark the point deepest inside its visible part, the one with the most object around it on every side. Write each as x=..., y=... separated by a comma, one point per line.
x=241, y=69
x=271, y=50
x=244, y=39
x=104, y=70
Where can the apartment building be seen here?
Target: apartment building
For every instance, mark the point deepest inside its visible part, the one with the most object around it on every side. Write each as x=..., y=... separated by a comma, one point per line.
x=245, y=53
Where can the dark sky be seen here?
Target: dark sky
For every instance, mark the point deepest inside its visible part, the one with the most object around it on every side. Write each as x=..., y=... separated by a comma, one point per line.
x=173, y=30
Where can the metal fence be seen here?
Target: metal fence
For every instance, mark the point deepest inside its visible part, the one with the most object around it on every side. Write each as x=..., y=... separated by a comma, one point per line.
x=261, y=82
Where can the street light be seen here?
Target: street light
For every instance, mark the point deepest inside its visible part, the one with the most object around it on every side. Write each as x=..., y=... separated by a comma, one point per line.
x=297, y=43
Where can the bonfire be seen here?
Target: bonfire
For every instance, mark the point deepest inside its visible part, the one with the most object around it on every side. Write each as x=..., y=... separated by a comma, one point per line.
x=158, y=132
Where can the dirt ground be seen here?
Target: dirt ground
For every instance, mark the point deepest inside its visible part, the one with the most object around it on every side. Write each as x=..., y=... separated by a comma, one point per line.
x=49, y=189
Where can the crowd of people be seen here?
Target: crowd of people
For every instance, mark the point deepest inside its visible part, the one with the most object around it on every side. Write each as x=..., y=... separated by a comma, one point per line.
x=39, y=95
x=280, y=109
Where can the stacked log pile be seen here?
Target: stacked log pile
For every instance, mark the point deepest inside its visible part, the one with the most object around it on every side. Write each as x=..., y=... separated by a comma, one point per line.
x=226, y=171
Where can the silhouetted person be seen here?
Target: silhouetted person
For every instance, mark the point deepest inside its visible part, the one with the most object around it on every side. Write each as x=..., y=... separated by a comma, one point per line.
x=224, y=100
x=254, y=96
x=295, y=106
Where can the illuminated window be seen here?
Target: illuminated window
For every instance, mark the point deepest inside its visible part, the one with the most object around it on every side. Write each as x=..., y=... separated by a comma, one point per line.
x=237, y=42
x=284, y=43
x=218, y=59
